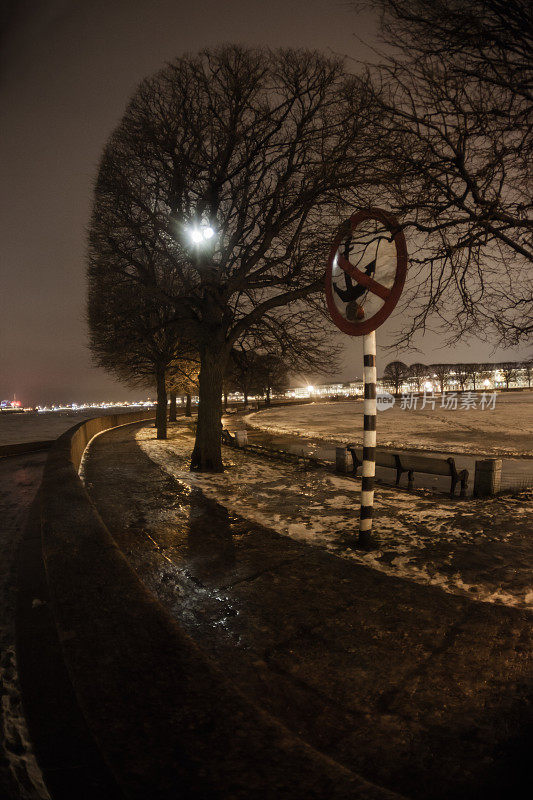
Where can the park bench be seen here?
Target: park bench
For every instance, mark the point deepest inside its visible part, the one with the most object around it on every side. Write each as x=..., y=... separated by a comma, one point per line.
x=227, y=438
x=403, y=462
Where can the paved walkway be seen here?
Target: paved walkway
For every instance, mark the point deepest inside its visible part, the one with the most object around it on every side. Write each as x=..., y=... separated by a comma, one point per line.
x=420, y=691
x=20, y=776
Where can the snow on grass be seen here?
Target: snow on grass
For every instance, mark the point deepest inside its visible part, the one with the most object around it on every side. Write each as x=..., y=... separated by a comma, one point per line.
x=461, y=548
x=506, y=430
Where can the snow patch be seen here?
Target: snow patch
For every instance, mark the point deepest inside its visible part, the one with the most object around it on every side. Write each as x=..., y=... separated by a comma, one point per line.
x=419, y=537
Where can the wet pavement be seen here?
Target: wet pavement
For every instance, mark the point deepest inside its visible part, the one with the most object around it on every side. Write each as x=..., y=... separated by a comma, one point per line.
x=20, y=477
x=421, y=691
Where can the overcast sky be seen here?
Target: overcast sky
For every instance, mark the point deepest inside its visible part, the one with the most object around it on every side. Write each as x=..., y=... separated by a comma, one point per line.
x=68, y=68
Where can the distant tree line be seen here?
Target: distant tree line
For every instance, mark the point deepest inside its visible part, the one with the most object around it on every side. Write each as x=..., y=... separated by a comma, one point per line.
x=396, y=374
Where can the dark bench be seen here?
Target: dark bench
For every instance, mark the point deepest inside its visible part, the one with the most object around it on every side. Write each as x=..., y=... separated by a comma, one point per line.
x=227, y=438
x=403, y=462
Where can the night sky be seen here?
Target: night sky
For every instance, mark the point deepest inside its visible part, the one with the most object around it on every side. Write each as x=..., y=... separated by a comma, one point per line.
x=68, y=68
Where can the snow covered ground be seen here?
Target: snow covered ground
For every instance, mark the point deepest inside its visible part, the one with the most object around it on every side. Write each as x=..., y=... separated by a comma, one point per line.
x=506, y=430
x=479, y=548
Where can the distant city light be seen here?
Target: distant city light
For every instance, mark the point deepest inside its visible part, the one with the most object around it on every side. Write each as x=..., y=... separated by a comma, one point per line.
x=88, y=406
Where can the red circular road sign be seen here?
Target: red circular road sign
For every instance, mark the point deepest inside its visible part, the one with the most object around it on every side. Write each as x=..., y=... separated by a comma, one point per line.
x=366, y=271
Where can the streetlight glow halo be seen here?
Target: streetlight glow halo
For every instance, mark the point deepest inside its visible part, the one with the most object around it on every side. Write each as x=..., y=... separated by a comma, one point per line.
x=201, y=233
x=196, y=235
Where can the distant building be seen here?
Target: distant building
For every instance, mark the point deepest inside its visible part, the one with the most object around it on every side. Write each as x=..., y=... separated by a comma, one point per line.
x=456, y=378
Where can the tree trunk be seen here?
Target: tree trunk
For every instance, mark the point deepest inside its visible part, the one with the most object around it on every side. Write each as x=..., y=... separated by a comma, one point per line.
x=245, y=393
x=172, y=409
x=161, y=410
x=225, y=401
x=188, y=404
x=207, y=454
x=267, y=398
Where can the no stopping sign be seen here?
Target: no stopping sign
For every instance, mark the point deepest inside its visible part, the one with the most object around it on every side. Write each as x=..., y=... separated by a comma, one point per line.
x=366, y=271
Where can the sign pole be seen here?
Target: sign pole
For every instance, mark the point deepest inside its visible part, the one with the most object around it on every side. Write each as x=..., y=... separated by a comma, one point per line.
x=364, y=279
x=369, y=440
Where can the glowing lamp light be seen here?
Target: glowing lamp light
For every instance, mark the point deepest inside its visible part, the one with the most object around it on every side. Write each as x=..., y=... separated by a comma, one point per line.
x=310, y=389
x=486, y=383
x=201, y=234
x=428, y=386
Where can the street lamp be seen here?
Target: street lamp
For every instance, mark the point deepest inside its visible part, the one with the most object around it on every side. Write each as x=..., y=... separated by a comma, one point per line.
x=201, y=233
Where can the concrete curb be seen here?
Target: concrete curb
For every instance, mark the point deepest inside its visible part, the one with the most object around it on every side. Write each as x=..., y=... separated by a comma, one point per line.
x=165, y=719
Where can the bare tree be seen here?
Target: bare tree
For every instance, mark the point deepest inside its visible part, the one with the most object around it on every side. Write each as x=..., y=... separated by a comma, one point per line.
x=472, y=371
x=442, y=371
x=186, y=383
x=418, y=372
x=487, y=40
x=131, y=336
x=292, y=341
x=454, y=138
x=527, y=366
x=462, y=374
x=509, y=372
x=271, y=376
x=252, y=371
x=240, y=371
x=172, y=407
x=485, y=372
x=182, y=380
x=255, y=153
x=395, y=373
x=226, y=388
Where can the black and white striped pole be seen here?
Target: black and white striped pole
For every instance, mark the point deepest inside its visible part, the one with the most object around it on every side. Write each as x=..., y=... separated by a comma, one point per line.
x=368, y=469
x=365, y=275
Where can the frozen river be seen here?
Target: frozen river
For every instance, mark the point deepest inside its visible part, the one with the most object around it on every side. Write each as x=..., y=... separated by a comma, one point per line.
x=36, y=426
